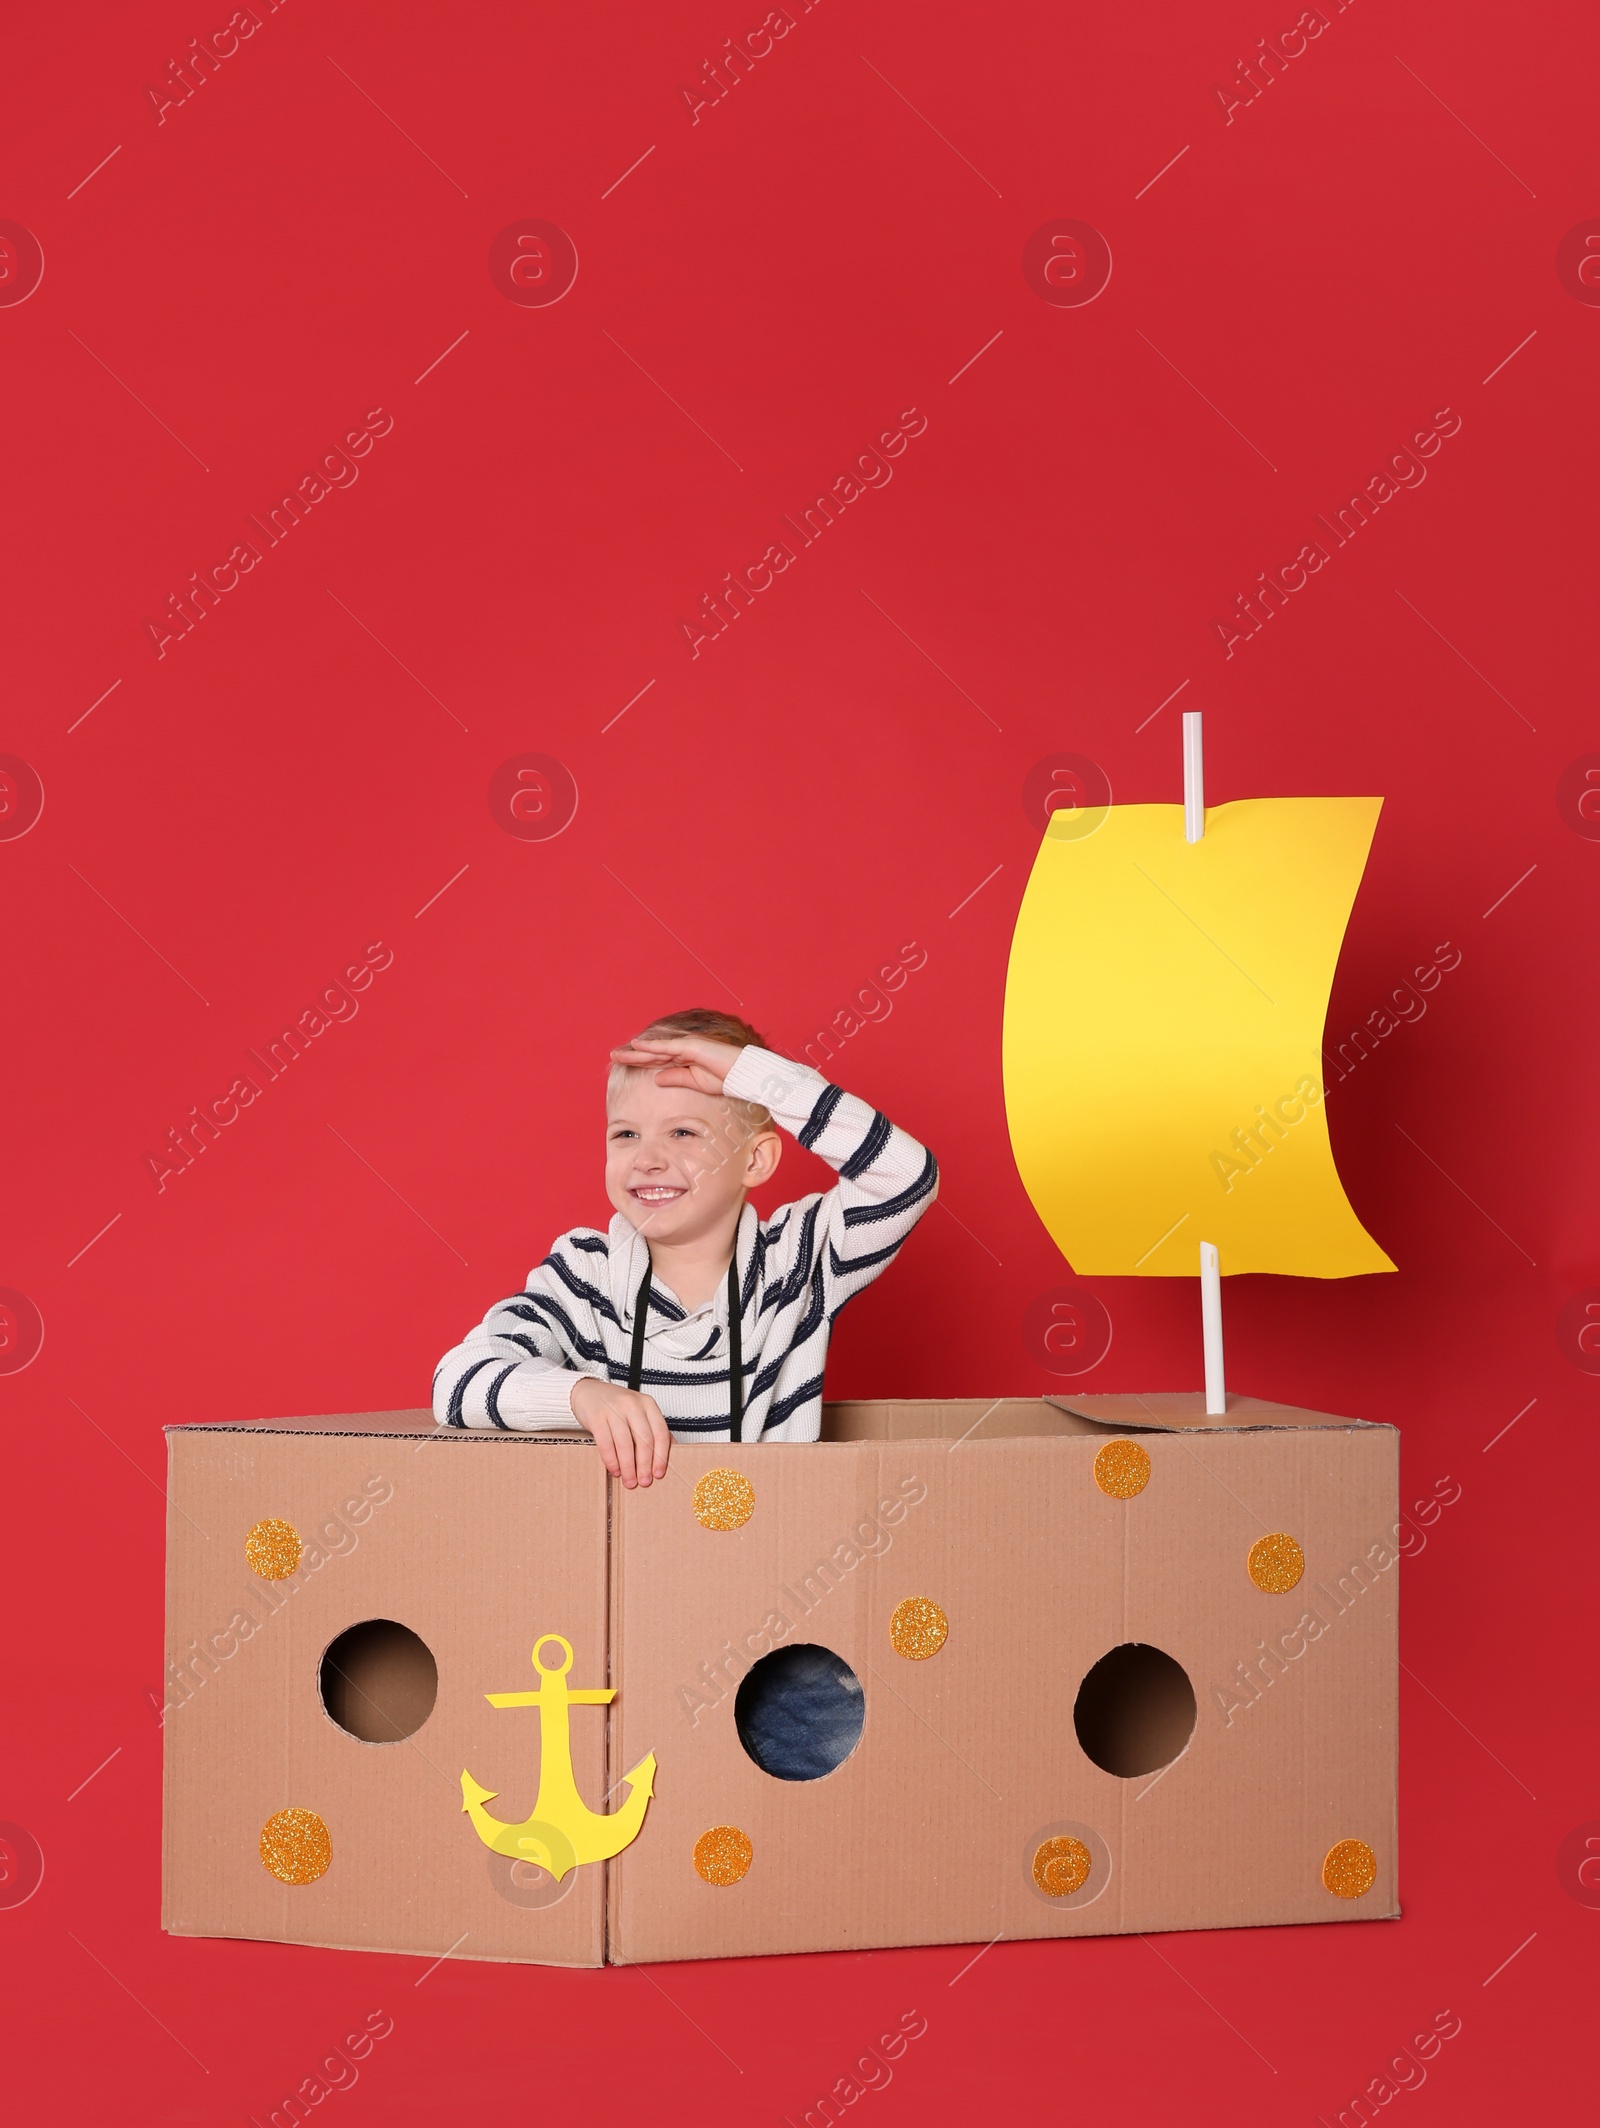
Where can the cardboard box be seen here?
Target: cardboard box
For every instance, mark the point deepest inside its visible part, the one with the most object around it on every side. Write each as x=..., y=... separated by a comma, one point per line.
x=1015, y=1774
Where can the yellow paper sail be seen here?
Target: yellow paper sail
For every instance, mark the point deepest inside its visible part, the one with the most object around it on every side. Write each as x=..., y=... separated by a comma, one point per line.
x=1163, y=1037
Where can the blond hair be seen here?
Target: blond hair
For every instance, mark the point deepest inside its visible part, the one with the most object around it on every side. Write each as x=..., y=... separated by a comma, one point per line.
x=714, y=1027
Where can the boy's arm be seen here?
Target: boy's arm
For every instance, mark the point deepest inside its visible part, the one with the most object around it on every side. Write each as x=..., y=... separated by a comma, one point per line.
x=517, y=1370
x=538, y=1362
x=886, y=1179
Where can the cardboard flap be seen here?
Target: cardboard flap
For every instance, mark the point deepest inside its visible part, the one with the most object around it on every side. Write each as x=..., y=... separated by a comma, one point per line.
x=1184, y=1411
x=397, y=1423
x=950, y=1419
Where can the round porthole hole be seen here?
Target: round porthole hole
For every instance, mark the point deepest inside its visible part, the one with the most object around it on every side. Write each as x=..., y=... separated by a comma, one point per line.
x=378, y=1681
x=799, y=1712
x=1135, y=1710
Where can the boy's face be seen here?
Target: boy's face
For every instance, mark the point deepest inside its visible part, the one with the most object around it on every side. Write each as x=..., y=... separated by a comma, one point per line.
x=678, y=1163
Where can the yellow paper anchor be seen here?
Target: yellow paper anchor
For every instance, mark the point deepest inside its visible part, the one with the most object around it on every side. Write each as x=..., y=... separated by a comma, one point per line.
x=562, y=1831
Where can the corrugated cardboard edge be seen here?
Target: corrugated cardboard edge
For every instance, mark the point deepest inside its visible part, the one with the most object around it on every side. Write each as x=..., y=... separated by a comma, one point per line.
x=1159, y=1411
x=1121, y=1932
x=397, y=1425
x=387, y=1950
x=608, y=1900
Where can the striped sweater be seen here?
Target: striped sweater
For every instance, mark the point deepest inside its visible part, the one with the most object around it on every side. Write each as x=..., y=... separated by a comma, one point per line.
x=796, y=1271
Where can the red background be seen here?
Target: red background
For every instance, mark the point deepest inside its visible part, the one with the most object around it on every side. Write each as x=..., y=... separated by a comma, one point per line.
x=300, y=242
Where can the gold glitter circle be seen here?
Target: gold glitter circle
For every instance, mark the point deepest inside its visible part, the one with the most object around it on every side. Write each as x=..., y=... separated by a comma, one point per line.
x=1122, y=1468
x=723, y=1854
x=724, y=1499
x=295, y=1846
x=1061, y=1866
x=918, y=1628
x=1349, y=1869
x=1276, y=1563
x=273, y=1549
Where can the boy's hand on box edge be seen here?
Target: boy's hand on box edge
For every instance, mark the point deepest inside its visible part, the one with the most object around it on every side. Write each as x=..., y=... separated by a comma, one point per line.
x=682, y=1060
x=628, y=1429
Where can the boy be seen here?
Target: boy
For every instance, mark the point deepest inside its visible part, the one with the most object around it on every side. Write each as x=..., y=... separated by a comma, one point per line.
x=731, y=1341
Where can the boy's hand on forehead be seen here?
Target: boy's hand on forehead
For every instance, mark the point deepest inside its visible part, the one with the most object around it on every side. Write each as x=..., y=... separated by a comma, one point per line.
x=681, y=1060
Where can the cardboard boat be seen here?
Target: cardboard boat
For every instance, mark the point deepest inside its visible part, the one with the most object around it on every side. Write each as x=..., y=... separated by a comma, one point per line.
x=1119, y=1666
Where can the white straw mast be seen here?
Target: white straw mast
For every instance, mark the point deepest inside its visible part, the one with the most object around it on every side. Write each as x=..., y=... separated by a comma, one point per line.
x=1194, y=826
x=1211, y=1329
x=1194, y=778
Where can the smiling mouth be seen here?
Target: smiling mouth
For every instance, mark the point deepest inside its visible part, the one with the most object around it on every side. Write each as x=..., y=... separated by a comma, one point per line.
x=655, y=1193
